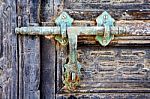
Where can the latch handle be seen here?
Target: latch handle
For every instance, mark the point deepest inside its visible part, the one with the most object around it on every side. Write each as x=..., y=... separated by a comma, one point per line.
x=72, y=68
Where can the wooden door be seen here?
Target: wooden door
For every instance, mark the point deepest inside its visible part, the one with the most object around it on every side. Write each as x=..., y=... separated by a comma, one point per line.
x=119, y=70
x=35, y=68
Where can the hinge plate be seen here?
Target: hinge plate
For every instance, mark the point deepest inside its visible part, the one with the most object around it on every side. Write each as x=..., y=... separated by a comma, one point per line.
x=108, y=22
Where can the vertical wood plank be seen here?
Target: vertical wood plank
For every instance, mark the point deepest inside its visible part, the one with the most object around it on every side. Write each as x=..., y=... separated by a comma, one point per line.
x=59, y=68
x=34, y=12
x=47, y=10
x=48, y=56
x=9, y=50
x=6, y=65
x=29, y=67
x=14, y=50
x=20, y=67
x=1, y=51
x=58, y=7
x=22, y=9
x=29, y=54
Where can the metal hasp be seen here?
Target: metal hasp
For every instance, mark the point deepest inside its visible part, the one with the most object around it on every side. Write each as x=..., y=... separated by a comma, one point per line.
x=108, y=22
x=72, y=68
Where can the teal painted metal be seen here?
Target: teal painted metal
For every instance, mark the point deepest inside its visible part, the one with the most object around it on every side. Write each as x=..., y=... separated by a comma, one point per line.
x=72, y=68
x=64, y=21
x=38, y=31
x=108, y=22
x=72, y=73
x=77, y=30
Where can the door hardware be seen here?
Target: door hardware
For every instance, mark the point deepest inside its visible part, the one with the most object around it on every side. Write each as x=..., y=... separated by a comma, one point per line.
x=65, y=34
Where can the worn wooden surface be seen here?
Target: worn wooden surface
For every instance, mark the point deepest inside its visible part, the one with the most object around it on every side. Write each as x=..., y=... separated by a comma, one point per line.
x=8, y=50
x=117, y=68
x=48, y=69
x=48, y=53
x=105, y=96
x=29, y=52
x=122, y=9
x=122, y=67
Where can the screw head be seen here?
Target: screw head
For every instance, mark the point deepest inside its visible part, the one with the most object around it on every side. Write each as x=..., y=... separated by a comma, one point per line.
x=63, y=17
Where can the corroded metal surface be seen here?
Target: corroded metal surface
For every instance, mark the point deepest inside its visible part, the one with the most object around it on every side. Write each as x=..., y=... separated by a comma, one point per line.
x=64, y=21
x=38, y=30
x=108, y=22
x=74, y=29
x=72, y=72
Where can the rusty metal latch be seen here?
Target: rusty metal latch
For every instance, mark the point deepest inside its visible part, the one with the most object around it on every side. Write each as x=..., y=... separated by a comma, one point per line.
x=64, y=21
x=72, y=68
x=108, y=22
x=65, y=34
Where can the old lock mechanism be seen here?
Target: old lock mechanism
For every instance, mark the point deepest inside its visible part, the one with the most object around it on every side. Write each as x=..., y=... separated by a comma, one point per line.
x=63, y=21
x=72, y=68
x=65, y=34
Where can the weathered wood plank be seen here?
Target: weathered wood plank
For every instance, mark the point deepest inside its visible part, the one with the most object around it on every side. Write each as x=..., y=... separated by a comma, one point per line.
x=47, y=10
x=25, y=22
x=20, y=44
x=108, y=1
x=48, y=54
x=88, y=14
x=14, y=51
x=89, y=11
x=34, y=12
x=48, y=69
x=125, y=6
x=59, y=68
x=9, y=50
x=117, y=68
x=29, y=67
x=6, y=53
x=29, y=53
x=105, y=96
